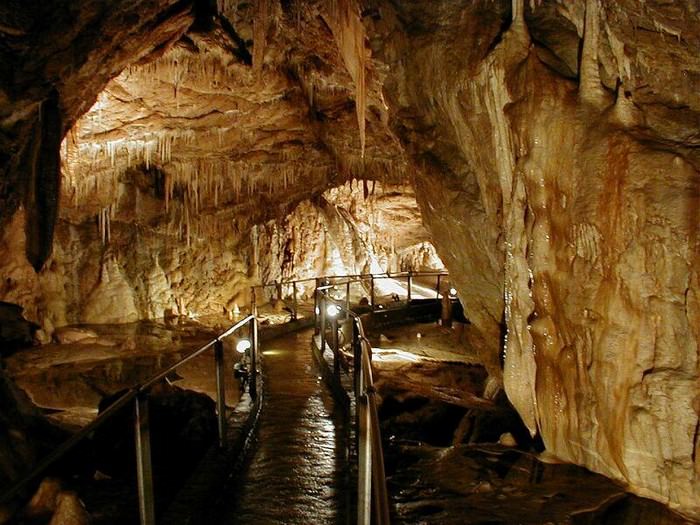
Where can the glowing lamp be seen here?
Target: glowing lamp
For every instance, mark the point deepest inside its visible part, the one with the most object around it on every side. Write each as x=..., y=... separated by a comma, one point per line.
x=317, y=310
x=453, y=291
x=242, y=346
x=332, y=310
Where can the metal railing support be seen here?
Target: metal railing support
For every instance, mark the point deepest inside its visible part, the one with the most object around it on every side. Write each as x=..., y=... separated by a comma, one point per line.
x=144, y=467
x=294, y=301
x=408, y=286
x=322, y=315
x=220, y=392
x=364, y=467
x=437, y=288
x=356, y=357
x=254, y=347
x=347, y=300
x=381, y=495
x=317, y=307
x=371, y=291
x=334, y=347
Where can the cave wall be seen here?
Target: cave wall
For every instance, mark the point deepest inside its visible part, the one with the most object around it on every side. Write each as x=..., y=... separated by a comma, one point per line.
x=56, y=57
x=349, y=230
x=95, y=274
x=561, y=190
x=552, y=145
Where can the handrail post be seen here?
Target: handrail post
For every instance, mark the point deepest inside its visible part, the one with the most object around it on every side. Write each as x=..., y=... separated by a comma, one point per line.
x=437, y=289
x=356, y=357
x=254, y=347
x=322, y=306
x=253, y=301
x=371, y=291
x=364, y=467
x=220, y=392
x=294, y=301
x=144, y=467
x=336, y=350
x=317, y=308
x=347, y=300
x=381, y=496
x=408, y=286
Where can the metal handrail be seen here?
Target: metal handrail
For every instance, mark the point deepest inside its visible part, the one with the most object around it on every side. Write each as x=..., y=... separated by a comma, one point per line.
x=139, y=394
x=343, y=280
x=371, y=484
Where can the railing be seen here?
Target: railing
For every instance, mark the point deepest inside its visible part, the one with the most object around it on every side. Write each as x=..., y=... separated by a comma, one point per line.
x=371, y=485
x=282, y=290
x=139, y=396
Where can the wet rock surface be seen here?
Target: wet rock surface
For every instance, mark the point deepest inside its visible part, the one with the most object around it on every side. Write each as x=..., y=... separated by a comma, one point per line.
x=486, y=483
x=453, y=460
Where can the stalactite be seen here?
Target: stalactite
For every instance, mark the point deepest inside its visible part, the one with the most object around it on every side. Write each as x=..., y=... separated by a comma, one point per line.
x=590, y=87
x=348, y=31
x=261, y=25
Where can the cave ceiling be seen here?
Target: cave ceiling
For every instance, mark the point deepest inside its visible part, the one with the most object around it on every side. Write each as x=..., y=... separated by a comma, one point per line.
x=234, y=99
x=553, y=146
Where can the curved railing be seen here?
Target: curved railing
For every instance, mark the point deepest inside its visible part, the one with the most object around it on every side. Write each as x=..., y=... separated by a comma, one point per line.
x=371, y=477
x=138, y=395
x=288, y=291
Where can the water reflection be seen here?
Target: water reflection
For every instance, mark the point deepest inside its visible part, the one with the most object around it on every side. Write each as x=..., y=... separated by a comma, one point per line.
x=296, y=473
x=470, y=484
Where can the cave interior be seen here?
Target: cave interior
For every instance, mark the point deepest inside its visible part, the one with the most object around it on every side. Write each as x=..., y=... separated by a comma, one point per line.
x=158, y=158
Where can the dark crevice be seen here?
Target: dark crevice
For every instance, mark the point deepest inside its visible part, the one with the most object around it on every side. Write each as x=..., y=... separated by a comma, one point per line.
x=505, y=25
x=241, y=52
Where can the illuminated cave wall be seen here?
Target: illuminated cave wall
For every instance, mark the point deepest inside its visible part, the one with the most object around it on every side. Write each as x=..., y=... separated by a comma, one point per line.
x=552, y=145
x=353, y=229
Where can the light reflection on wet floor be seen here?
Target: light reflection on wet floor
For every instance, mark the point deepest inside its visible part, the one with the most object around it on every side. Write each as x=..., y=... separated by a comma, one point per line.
x=296, y=473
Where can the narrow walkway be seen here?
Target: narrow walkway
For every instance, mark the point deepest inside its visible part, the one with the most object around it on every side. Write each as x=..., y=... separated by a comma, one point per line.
x=298, y=465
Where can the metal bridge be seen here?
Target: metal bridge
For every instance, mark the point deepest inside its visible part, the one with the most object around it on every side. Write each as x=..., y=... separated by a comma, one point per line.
x=292, y=450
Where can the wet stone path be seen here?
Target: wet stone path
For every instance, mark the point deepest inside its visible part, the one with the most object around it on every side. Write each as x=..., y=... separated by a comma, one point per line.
x=296, y=472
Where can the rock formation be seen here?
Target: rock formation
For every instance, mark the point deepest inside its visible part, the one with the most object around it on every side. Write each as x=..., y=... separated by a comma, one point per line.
x=552, y=146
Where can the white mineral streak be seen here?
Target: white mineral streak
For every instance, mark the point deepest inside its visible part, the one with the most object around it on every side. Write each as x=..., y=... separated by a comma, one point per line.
x=261, y=24
x=346, y=24
x=591, y=88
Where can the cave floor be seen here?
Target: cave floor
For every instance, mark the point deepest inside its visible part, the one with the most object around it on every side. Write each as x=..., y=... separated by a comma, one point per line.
x=429, y=481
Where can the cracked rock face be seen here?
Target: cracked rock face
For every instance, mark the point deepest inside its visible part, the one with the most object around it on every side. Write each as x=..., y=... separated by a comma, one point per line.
x=553, y=148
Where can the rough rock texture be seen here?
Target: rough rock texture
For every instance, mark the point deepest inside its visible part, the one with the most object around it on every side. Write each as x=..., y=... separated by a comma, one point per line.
x=553, y=147
x=564, y=193
x=352, y=229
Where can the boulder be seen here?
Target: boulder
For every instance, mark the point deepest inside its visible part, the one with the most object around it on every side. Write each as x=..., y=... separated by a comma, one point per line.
x=183, y=425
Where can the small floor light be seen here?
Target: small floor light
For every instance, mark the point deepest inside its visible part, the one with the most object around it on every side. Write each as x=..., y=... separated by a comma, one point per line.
x=242, y=346
x=332, y=310
x=453, y=292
